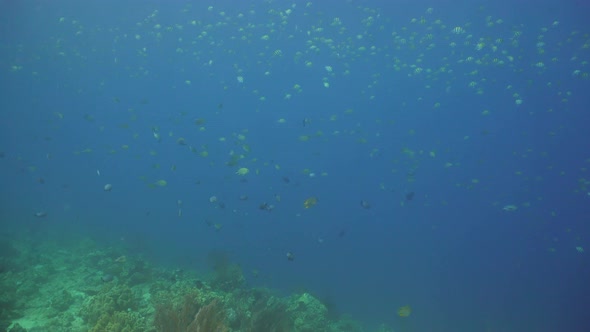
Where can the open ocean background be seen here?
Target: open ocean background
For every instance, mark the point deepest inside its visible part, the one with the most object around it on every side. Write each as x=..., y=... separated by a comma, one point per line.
x=462, y=125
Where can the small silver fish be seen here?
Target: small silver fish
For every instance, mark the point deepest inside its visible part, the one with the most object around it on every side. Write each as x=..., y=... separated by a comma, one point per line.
x=40, y=214
x=365, y=205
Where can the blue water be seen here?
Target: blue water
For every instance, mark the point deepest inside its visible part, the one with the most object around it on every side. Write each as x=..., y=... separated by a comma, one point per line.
x=411, y=107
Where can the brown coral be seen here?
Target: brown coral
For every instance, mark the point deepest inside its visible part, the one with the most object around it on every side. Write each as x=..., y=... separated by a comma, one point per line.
x=209, y=318
x=188, y=317
x=176, y=318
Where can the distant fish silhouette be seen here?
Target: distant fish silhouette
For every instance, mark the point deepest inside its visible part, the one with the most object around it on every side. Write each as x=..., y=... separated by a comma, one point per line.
x=290, y=256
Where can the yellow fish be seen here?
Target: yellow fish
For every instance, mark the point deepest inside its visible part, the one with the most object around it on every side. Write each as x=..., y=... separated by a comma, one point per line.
x=242, y=171
x=161, y=183
x=404, y=311
x=310, y=202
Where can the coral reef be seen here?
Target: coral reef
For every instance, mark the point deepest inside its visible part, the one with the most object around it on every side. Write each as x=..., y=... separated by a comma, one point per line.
x=64, y=292
x=227, y=276
x=209, y=318
x=309, y=313
x=119, y=321
x=189, y=316
x=270, y=314
x=111, y=298
x=8, y=302
x=175, y=317
x=62, y=301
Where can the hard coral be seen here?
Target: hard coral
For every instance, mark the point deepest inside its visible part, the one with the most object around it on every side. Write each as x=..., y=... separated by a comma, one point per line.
x=119, y=321
x=111, y=298
x=309, y=313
